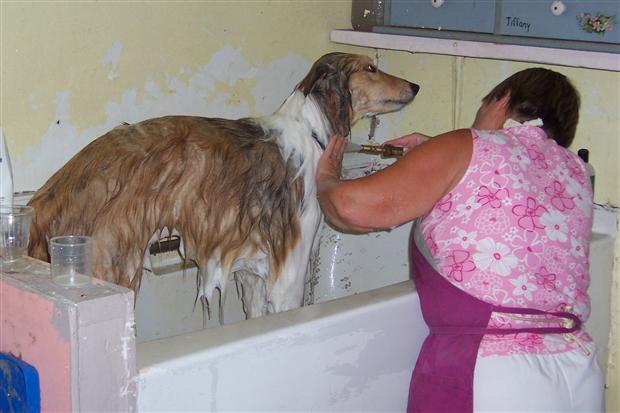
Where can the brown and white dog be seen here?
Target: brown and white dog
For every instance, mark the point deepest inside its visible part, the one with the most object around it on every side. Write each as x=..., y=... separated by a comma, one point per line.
x=240, y=193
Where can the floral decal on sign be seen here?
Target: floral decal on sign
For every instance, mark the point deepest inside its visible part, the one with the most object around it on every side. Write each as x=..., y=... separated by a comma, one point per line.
x=599, y=23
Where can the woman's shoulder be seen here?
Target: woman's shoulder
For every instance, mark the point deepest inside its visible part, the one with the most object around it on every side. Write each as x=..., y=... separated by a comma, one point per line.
x=455, y=143
x=450, y=144
x=458, y=136
x=447, y=155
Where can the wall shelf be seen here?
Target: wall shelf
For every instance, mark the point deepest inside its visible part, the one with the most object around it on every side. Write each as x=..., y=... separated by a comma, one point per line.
x=484, y=50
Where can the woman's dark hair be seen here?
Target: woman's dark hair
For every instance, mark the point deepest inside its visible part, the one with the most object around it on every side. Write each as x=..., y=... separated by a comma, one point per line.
x=545, y=94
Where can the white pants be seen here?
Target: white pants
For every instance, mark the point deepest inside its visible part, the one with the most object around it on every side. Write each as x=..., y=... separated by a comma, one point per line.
x=565, y=382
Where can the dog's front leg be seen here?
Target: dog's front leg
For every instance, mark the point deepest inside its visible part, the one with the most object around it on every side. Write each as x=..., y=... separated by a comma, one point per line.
x=253, y=293
x=287, y=292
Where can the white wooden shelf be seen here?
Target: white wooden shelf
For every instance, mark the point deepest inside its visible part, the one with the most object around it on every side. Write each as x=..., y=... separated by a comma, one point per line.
x=484, y=50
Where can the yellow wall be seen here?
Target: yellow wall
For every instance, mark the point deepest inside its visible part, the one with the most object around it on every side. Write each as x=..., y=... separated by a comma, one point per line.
x=70, y=71
x=56, y=46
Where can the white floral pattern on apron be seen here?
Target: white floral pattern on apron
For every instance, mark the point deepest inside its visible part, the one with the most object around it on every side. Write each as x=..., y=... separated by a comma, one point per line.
x=515, y=232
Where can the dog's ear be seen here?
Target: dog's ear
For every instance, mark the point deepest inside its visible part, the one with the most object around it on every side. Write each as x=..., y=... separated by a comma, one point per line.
x=328, y=83
x=342, y=105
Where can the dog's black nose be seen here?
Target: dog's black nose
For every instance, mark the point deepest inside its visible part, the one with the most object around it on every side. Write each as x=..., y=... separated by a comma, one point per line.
x=414, y=88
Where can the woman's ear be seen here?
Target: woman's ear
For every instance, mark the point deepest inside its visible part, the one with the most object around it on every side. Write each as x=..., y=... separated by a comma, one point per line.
x=500, y=112
x=504, y=101
x=492, y=114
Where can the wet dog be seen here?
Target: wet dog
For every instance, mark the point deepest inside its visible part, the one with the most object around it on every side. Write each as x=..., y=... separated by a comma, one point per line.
x=240, y=193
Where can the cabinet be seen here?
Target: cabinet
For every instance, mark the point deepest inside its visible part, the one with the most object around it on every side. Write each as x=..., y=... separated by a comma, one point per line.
x=566, y=24
x=464, y=15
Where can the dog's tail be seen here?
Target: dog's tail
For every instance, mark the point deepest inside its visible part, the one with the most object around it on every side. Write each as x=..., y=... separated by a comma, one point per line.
x=37, y=244
x=49, y=219
x=63, y=206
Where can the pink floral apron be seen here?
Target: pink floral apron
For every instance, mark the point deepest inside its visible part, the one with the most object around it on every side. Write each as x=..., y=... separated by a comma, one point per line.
x=443, y=377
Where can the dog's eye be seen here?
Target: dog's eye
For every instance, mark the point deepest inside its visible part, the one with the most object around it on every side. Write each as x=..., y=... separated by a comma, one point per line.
x=370, y=68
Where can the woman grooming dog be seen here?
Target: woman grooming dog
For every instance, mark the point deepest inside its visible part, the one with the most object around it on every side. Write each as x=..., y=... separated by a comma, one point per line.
x=499, y=255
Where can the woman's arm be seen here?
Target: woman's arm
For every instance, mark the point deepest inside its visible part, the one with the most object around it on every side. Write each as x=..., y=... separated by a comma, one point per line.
x=408, y=142
x=397, y=194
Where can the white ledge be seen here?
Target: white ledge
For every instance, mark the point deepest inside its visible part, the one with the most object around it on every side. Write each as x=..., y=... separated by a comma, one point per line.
x=484, y=50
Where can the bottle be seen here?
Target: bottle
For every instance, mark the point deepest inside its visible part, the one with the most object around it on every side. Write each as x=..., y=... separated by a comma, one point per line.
x=584, y=154
x=6, y=173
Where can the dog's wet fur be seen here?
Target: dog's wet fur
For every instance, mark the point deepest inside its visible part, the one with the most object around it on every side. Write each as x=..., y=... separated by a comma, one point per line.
x=240, y=193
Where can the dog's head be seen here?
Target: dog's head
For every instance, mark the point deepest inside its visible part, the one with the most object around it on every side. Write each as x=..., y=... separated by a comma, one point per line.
x=349, y=87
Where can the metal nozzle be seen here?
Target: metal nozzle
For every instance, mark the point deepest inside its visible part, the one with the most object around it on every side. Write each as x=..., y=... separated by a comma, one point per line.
x=387, y=151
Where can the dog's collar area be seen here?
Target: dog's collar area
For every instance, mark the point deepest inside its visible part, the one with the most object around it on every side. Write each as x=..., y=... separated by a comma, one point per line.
x=316, y=138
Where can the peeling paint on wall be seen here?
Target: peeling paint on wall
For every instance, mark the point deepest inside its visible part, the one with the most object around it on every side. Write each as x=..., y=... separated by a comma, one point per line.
x=288, y=71
x=112, y=57
x=206, y=92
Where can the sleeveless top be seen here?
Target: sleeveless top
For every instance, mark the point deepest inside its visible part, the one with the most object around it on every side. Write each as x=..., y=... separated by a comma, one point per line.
x=515, y=232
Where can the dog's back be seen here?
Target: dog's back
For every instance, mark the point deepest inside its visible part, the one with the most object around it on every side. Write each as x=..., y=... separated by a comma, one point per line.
x=222, y=184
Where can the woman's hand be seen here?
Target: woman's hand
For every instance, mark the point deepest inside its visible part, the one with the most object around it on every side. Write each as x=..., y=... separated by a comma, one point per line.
x=408, y=142
x=329, y=168
x=332, y=198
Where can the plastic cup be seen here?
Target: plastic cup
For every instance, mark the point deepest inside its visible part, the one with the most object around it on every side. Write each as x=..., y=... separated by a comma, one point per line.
x=71, y=260
x=14, y=233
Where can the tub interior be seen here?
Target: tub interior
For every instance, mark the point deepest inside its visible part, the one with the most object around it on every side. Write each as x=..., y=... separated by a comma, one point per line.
x=343, y=265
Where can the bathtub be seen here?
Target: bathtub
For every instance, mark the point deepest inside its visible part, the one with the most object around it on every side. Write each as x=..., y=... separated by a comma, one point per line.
x=352, y=347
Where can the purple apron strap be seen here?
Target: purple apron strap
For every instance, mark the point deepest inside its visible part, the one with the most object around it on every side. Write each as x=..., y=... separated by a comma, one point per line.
x=442, y=380
x=575, y=324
